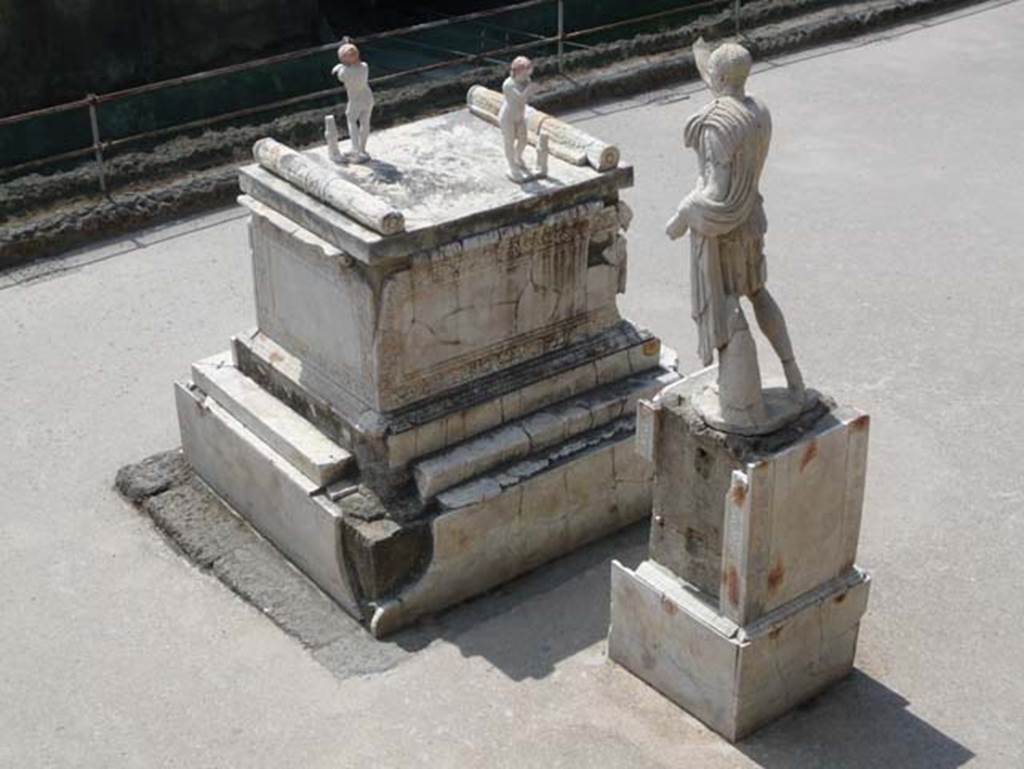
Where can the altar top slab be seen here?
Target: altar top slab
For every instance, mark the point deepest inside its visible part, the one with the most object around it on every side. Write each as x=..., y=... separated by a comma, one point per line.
x=446, y=174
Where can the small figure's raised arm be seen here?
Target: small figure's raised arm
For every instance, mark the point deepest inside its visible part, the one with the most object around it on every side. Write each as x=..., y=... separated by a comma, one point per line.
x=516, y=94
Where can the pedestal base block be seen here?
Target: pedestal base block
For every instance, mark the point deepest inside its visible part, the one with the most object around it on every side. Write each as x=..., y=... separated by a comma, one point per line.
x=734, y=679
x=383, y=565
x=440, y=391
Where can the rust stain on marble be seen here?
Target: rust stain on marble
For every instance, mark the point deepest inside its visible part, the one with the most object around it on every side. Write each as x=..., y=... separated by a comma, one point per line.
x=775, y=576
x=738, y=494
x=732, y=584
x=809, y=454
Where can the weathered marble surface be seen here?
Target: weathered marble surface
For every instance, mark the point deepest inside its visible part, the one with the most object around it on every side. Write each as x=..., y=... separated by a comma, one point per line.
x=473, y=367
x=488, y=302
x=805, y=489
x=750, y=599
x=293, y=437
x=792, y=520
x=454, y=314
x=393, y=441
x=327, y=186
x=506, y=523
x=491, y=528
x=541, y=429
x=445, y=175
x=272, y=495
x=619, y=353
x=735, y=679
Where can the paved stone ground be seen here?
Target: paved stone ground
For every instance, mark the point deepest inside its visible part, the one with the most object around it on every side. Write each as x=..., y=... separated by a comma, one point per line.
x=895, y=201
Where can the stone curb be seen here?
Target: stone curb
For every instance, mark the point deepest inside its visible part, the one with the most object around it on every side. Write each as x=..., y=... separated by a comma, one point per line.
x=152, y=195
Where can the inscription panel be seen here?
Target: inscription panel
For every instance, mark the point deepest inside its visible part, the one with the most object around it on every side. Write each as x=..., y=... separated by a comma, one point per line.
x=486, y=303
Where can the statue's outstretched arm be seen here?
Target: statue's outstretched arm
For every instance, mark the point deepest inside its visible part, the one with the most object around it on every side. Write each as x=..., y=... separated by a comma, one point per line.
x=680, y=222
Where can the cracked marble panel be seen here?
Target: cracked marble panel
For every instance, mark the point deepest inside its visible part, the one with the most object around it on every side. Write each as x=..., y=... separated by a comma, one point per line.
x=486, y=303
x=503, y=524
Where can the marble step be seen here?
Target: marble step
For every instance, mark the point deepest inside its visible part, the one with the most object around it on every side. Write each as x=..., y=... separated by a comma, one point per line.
x=438, y=423
x=538, y=430
x=519, y=391
x=296, y=439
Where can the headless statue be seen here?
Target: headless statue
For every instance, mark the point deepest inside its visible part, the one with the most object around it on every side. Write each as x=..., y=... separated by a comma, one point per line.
x=726, y=221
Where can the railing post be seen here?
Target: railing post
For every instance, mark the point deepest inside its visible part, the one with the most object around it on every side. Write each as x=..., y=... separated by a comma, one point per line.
x=736, y=16
x=96, y=143
x=561, y=34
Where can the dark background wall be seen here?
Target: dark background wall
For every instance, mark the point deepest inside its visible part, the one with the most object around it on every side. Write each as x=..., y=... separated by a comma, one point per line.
x=58, y=50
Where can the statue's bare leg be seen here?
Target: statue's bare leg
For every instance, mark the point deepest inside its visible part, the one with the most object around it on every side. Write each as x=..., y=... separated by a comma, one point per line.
x=515, y=170
x=364, y=130
x=354, y=133
x=521, y=145
x=773, y=326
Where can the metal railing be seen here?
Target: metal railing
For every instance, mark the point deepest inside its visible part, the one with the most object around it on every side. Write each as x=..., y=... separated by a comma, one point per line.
x=560, y=40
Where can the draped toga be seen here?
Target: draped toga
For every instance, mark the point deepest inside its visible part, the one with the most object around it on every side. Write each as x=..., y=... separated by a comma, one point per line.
x=726, y=236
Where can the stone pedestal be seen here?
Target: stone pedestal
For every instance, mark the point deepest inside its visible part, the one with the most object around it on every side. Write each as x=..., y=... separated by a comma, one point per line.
x=750, y=600
x=439, y=393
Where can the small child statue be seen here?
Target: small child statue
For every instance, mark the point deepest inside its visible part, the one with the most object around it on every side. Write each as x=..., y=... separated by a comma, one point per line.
x=517, y=89
x=354, y=74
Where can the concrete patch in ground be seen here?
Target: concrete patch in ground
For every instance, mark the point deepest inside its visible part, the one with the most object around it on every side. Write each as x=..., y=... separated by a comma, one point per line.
x=357, y=653
x=262, y=576
x=197, y=522
x=152, y=475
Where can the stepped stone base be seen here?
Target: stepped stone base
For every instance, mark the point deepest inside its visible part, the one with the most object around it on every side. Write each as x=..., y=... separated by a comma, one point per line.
x=389, y=562
x=257, y=482
x=388, y=444
x=735, y=679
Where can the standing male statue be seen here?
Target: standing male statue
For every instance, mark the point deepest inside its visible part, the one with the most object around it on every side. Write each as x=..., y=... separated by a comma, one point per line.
x=354, y=73
x=726, y=221
x=516, y=92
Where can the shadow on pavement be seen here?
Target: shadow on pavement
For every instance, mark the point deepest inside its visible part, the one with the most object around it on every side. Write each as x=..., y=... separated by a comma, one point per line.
x=857, y=723
x=527, y=626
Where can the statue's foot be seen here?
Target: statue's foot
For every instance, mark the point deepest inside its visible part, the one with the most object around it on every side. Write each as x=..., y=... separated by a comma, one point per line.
x=334, y=153
x=794, y=379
